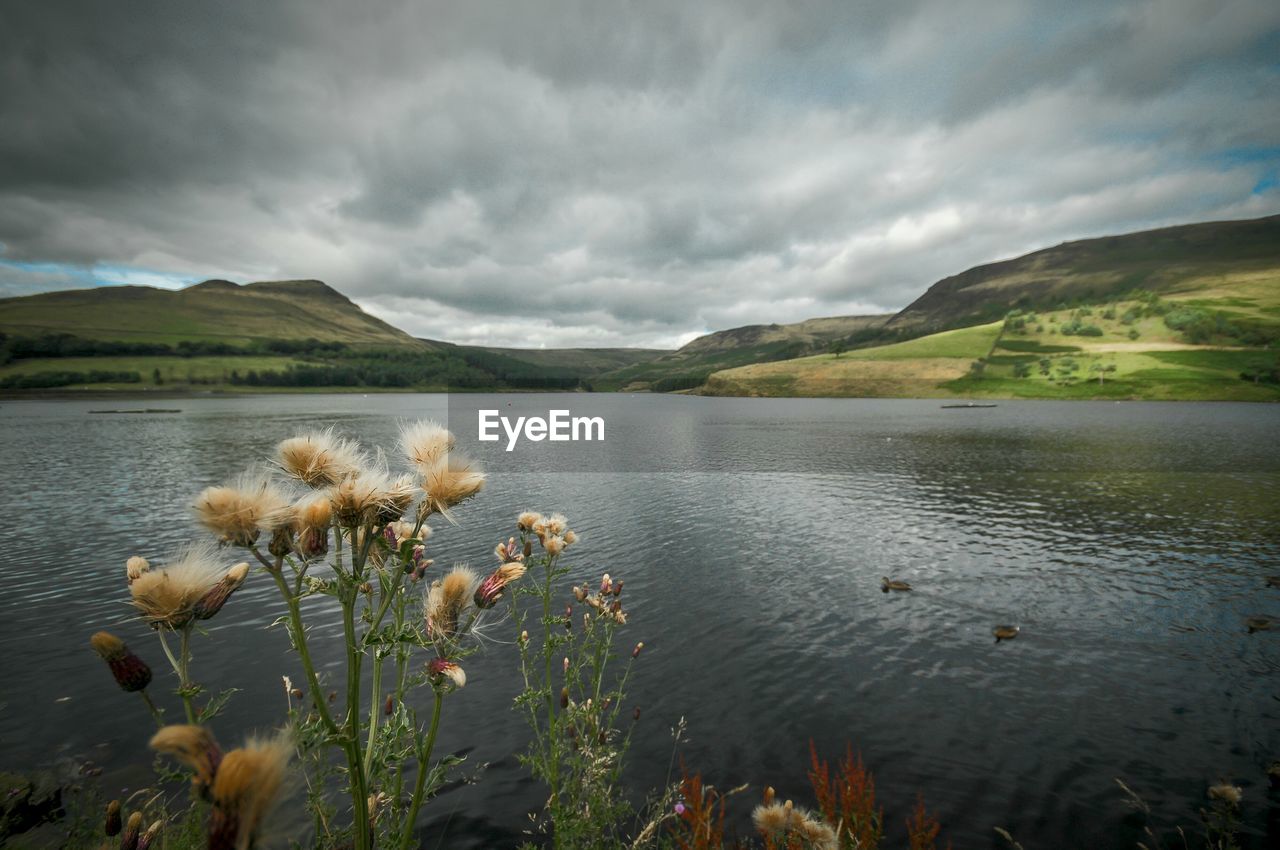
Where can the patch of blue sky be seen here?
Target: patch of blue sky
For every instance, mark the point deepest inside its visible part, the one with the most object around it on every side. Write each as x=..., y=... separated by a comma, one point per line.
x=100, y=274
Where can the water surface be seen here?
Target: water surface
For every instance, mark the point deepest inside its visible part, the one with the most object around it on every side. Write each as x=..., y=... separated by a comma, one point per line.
x=1129, y=541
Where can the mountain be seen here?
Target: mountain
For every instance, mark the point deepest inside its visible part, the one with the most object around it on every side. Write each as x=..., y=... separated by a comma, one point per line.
x=689, y=366
x=1166, y=261
x=215, y=311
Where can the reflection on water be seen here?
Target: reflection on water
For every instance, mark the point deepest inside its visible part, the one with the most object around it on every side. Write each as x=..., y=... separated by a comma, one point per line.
x=1128, y=541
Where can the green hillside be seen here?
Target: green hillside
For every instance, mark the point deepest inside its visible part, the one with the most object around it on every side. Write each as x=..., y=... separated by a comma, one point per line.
x=213, y=311
x=1170, y=261
x=280, y=335
x=1214, y=343
x=690, y=366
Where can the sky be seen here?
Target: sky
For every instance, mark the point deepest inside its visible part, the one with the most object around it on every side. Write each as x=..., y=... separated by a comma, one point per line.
x=615, y=172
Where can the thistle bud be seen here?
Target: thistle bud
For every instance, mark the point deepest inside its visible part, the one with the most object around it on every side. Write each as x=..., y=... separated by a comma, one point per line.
x=129, y=841
x=566, y=665
x=564, y=697
x=366, y=588
x=389, y=535
x=606, y=584
x=281, y=542
x=579, y=593
x=489, y=591
x=313, y=542
x=769, y=795
x=509, y=551
x=527, y=551
x=333, y=695
x=568, y=611
x=635, y=715
x=195, y=747
x=615, y=607
x=524, y=636
x=130, y=672
x=617, y=588
x=388, y=706
x=296, y=693
x=112, y=825
x=443, y=671
x=213, y=600
x=635, y=653
x=149, y=837
x=135, y=567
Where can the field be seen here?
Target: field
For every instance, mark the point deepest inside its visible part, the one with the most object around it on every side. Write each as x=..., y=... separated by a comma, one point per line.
x=155, y=372
x=1120, y=350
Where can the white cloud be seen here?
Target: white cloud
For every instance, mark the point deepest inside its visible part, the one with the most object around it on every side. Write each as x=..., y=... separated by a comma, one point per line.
x=559, y=178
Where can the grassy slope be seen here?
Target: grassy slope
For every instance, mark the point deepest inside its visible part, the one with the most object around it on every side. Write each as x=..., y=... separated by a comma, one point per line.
x=587, y=360
x=1169, y=260
x=205, y=373
x=215, y=311
x=911, y=369
x=738, y=347
x=1156, y=365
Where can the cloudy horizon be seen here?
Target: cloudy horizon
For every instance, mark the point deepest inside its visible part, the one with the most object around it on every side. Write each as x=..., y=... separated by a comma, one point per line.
x=605, y=173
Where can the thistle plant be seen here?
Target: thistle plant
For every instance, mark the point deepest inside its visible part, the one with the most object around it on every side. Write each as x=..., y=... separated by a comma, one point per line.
x=329, y=520
x=571, y=703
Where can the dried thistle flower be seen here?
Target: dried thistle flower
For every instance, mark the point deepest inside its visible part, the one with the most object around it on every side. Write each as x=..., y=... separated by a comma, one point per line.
x=319, y=458
x=446, y=601
x=509, y=551
x=425, y=443
x=237, y=513
x=451, y=481
x=494, y=586
x=371, y=497
x=211, y=603
x=131, y=672
x=112, y=825
x=148, y=838
x=312, y=516
x=1226, y=792
x=195, y=747
x=135, y=567
x=245, y=790
x=443, y=671
x=166, y=597
x=527, y=520
x=557, y=524
x=553, y=545
x=570, y=537
x=129, y=841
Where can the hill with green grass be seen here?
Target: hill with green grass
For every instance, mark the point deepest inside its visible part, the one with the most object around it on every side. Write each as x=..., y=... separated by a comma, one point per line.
x=693, y=363
x=1215, y=343
x=1169, y=261
x=216, y=311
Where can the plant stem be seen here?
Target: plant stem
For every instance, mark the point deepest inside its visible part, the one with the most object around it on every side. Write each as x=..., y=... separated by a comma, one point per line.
x=180, y=669
x=351, y=734
x=424, y=768
x=553, y=762
x=156, y=713
x=375, y=705
x=300, y=644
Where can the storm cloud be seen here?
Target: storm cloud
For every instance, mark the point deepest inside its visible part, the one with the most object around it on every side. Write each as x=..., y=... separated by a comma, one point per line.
x=616, y=173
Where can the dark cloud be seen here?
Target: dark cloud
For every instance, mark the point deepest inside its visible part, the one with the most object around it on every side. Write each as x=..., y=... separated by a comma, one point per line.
x=611, y=172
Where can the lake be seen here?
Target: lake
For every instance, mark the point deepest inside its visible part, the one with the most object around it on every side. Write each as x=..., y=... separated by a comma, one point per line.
x=1128, y=541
